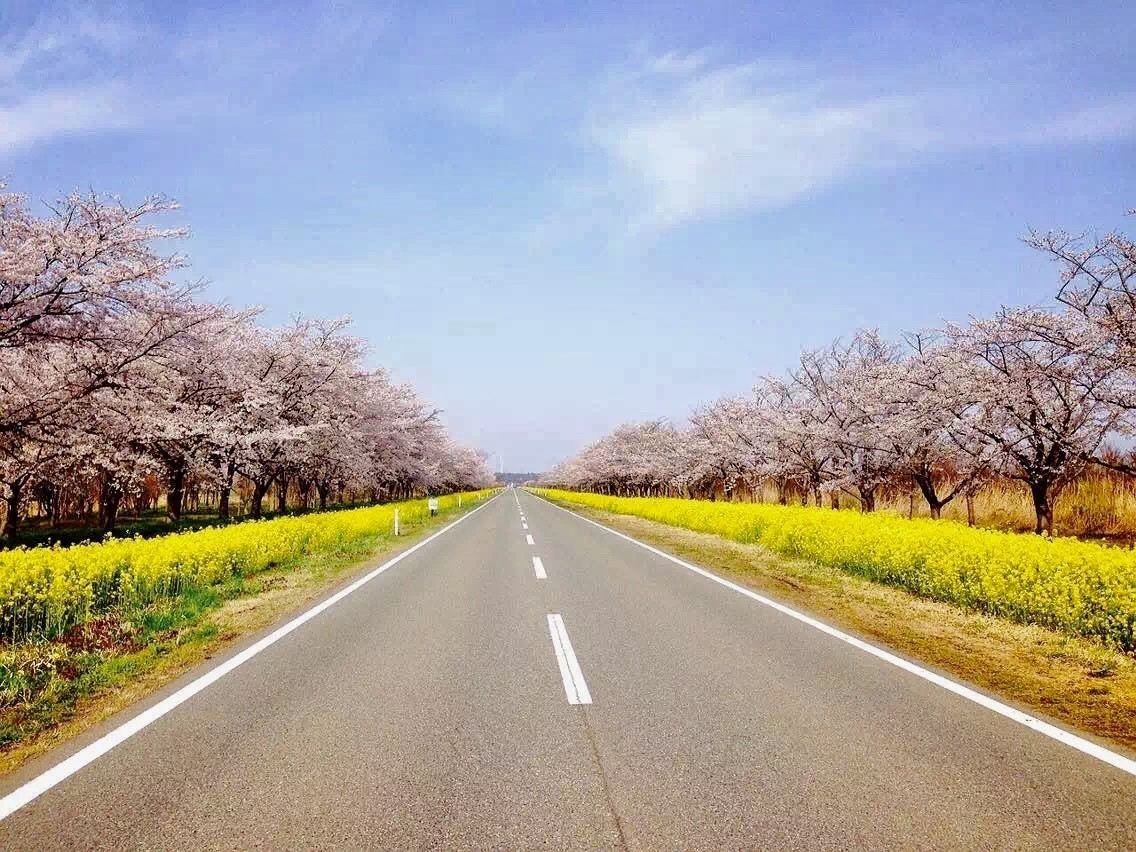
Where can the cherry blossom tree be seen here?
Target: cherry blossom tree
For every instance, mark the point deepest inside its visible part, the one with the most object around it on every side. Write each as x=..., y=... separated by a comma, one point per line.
x=1098, y=285
x=725, y=446
x=71, y=284
x=908, y=403
x=116, y=382
x=1034, y=399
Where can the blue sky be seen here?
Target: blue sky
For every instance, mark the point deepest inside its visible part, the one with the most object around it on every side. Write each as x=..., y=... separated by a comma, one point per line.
x=556, y=218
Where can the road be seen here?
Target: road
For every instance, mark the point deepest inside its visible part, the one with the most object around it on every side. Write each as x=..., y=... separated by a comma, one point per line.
x=602, y=697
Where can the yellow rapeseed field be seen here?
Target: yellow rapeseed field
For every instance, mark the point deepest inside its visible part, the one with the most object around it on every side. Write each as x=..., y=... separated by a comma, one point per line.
x=45, y=590
x=1074, y=586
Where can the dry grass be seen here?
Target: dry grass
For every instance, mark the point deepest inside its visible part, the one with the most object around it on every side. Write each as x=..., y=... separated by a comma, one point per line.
x=1098, y=504
x=1073, y=681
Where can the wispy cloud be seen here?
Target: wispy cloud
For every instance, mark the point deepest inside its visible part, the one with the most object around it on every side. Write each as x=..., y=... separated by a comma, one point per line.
x=55, y=77
x=722, y=139
x=685, y=136
x=69, y=68
x=59, y=42
x=692, y=139
x=56, y=112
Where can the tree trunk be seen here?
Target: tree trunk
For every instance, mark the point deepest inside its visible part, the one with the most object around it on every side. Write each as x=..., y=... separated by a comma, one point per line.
x=834, y=499
x=259, y=489
x=282, y=494
x=927, y=486
x=867, y=499
x=321, y=490
x=12, y=515
x=1042, y=506
x=970, y=510
x=110, y=498
x=226, y=491
x=175, y=494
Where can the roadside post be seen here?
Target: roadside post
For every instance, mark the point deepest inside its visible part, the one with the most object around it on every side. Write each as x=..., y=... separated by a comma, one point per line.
x=396, y=521
x=433, y=504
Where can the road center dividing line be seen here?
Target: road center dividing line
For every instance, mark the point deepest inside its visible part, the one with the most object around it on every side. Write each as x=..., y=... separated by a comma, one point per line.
x=538, y=568
x=529, y=539
x=66, y=768
x=574, y=686
x=1119, y=761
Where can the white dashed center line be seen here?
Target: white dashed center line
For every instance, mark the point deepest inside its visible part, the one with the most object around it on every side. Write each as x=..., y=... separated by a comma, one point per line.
x=574, y=686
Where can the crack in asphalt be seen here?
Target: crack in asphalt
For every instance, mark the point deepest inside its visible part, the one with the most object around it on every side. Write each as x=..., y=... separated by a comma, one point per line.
x=598, y=761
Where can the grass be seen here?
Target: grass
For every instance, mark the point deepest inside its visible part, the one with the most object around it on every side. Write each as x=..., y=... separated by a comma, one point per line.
x=1071, y=680
x=53, y=690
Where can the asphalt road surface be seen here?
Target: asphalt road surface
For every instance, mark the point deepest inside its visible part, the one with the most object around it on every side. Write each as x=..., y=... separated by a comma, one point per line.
x=600, y=696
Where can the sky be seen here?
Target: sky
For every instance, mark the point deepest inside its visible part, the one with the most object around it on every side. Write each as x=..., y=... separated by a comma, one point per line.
x=556, y=218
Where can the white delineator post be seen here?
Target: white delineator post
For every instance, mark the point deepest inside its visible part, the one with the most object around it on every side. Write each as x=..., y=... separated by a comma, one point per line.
x=459, y=501
x=396, y=521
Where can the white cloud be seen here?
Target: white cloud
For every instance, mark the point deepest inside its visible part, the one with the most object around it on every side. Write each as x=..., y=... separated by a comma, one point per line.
x=62, y=41
x=56, y=112
x=74, y=68
x=56, y=77
x=690, y=139
x=686, y=136
x=723, y=140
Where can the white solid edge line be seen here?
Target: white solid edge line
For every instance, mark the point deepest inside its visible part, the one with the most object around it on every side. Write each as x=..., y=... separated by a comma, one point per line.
x=538, y=568
x=1119, y=761
x=574, y=686
x=529, y=539
x=66, y=768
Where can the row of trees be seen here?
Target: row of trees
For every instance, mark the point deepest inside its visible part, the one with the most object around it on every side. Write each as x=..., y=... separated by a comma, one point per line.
x=113, y=376
x=1033, y=394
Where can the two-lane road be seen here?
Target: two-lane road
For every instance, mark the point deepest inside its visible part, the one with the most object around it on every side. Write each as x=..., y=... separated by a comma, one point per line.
x=526, y=679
